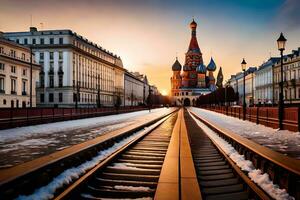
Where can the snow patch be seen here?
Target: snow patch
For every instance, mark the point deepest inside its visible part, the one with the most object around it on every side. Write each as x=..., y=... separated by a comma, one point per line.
x=255, y=175
x=132, y=188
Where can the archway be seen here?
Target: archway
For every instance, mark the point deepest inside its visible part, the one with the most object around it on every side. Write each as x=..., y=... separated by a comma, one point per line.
x=187, y=102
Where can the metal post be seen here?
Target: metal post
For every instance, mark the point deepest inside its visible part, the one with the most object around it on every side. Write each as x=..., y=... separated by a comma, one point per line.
x=280, y=104
x=244, y=98
x=30, y=91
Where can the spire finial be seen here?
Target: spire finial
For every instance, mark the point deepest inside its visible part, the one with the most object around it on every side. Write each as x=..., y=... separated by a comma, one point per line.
x=176, y=56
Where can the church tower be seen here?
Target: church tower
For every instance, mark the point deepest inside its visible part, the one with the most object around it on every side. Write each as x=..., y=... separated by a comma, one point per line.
x=176, y=78
x=193, y=57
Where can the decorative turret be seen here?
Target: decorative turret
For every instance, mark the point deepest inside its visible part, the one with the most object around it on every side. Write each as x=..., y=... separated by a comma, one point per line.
x=201, y=69
x=176, y=66
x=220, y=78
x=212, y=65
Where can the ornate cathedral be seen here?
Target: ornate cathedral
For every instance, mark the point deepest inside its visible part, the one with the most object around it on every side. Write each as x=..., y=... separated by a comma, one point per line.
x=194, y=78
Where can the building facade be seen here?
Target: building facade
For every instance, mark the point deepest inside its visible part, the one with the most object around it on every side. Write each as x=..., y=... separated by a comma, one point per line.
x=264, y=82
x=291, y=78
x=237, y=83
x=15, y=75
x=136, y=89
x=194, y=78
x=75, y=72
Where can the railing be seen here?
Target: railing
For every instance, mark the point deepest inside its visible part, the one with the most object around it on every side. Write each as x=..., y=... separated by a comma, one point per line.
x=267, y=116
x=16, y=117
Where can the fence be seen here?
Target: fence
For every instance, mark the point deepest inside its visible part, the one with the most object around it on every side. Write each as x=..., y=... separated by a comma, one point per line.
x=267, y=116
x=15, y=117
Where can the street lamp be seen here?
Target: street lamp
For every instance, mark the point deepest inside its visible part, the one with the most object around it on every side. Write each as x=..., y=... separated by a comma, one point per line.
x=281, y=46
x=243, y=64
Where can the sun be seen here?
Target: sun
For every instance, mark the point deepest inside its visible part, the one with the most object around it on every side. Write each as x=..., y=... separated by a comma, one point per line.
x=164, y=92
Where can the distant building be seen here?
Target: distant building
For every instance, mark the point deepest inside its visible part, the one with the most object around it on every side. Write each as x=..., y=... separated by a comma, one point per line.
x=15, y=75
x=291, y=78
x=194, y=78
x=75, y=71
x=136, y=89
x=237, y=83
x=264, y=82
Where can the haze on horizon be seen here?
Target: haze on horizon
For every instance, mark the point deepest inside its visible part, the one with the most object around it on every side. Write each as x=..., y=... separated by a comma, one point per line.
x=149, y=34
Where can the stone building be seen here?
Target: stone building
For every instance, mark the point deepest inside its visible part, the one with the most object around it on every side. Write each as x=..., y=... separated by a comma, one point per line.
x=291, y=78
x=15, y=75
x=74, y=70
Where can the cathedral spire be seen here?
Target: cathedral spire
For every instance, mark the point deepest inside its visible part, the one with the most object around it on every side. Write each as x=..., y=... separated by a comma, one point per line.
x=194, y=43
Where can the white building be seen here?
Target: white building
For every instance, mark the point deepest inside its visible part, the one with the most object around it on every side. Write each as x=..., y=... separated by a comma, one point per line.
x=264, y=82
x=136, y=89
x=75, y=71
x=15, y=75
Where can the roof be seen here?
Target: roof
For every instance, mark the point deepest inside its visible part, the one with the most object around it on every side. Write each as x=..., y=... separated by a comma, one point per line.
x=212, y=65
x=176, y=66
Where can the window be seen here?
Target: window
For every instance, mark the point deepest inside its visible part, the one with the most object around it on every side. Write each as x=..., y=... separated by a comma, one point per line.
x=299, y=93
x=24, y=72
x=42, y=56
x=25, y=41
x=60, y=81
x=74, y=97
x=42, y=80
x=17, y=41
x=51, y=55
x=51, y=97
x=33, y=41
x=13, y=86
x=42, y=41
x=60, y=54
x=42, y=97
x=60, y=97
x=51, y=81
x=61, y=40
x=23, y=87
x=13, y=69
x=1, y=49
x=51, y=40
x=2, y=66
x=12, y=53
x=23, y=56
x=4, y=101
x=1, y=84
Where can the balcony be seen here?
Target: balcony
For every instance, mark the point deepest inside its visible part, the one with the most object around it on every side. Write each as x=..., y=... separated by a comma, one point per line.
x=24, y=93
x=13, y=92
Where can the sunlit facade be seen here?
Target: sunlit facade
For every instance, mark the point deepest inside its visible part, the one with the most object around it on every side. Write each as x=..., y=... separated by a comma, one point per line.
x=75, y=71
x=15, y=75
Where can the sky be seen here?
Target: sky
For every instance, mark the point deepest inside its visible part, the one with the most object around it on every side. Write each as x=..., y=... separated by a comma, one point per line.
x=148, y=35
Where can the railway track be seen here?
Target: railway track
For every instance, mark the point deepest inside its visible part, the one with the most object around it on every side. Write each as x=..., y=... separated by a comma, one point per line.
x=132, y=172
x=219, y=177
x=50, y=175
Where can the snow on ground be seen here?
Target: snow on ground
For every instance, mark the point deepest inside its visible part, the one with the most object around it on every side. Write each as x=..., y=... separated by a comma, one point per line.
x=283, y=141
x=13, y=133
x=71, y=174
x=23, y=144
x=88, y=196
x=260, y=178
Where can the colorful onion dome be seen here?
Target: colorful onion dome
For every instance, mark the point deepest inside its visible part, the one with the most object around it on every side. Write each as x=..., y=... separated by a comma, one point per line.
x=212, y=65
x=176, y=66
x=201, y=69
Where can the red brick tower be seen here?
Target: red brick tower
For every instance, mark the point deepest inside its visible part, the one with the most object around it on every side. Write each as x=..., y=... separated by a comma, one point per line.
x=176, y=78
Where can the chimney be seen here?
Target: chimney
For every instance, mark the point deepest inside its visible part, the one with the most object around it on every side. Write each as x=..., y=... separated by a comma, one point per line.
x=33, y=29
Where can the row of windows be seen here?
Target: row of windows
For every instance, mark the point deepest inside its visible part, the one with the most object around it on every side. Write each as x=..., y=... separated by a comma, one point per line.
x=51, y=80
x=39, y=41
x=51, y=55
x=92, y=98
x=13, y=86
x=289, y=94
x=287, y=75
x=15, y=103
x=13, y=69
x=181, y=93
x=51, y=97
x=13, y=53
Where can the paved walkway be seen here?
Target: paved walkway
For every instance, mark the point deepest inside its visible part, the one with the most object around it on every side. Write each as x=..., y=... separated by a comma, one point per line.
x=285, y=142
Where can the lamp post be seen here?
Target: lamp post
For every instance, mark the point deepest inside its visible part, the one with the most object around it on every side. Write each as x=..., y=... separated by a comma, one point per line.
x=281, y=46
x=30, y=89
x=243, y=64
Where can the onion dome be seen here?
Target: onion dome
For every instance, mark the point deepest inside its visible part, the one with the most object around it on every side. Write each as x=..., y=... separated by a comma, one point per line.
x=212, y=65
x=193, y=24
x=201, y=69
x=176, y=66
x=186, y=68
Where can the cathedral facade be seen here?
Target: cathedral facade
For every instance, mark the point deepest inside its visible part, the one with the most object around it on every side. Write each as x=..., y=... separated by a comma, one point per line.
x=194, y=78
